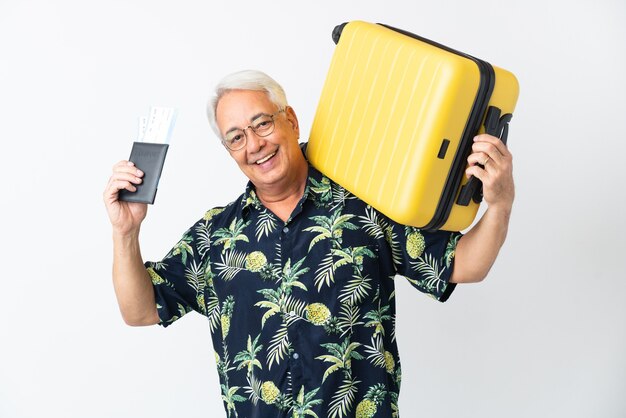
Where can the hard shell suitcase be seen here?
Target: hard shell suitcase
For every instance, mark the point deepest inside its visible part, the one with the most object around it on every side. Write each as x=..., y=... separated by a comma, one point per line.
x=395, y=122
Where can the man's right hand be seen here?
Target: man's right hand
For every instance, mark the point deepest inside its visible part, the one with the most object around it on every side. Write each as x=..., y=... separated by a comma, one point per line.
x=131, y=281
x=125, y=217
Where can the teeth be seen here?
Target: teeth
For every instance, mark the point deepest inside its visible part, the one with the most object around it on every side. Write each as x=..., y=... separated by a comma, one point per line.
x=266, y=158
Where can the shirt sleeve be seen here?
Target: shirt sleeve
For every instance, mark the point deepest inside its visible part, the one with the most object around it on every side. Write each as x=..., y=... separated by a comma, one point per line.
x=425, y=258
x=179, y=280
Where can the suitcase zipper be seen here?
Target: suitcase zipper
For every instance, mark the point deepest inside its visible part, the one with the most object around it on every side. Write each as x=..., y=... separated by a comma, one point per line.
x=455, y=175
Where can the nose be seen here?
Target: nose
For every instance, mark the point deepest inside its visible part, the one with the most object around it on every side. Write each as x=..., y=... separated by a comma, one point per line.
x=254, y=143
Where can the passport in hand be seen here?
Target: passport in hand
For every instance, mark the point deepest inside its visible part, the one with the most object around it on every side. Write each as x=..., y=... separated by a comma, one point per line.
x=149, y=158
x=148, y=153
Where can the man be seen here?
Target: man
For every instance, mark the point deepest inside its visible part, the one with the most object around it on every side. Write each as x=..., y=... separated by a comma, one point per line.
x=296, y=276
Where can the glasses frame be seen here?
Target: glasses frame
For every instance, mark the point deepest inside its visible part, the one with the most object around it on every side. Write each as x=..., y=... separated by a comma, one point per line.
x=245, y=135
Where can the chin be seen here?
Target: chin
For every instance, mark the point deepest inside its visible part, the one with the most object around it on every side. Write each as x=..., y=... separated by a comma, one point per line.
x=268, y=179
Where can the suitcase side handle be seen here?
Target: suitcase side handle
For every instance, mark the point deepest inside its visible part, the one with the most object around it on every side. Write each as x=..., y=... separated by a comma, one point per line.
x=498, y=127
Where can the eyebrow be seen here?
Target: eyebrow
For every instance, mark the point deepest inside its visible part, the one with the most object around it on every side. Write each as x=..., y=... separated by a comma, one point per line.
x=252, y=119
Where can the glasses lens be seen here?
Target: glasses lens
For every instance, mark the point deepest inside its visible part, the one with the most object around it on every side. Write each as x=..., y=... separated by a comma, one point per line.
x=263, y=125
x=235, y=139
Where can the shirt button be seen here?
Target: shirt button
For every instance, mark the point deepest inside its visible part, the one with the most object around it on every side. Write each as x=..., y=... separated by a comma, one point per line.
x=296, y=356
x=285, y=230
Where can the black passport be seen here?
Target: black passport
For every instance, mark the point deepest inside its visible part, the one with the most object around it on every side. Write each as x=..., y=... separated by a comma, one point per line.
x=149, y=158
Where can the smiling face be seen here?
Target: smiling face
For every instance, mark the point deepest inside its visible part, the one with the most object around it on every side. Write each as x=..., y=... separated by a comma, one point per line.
x=273, y=163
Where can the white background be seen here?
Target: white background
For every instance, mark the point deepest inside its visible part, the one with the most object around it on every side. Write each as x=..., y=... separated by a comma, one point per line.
x=543, y=336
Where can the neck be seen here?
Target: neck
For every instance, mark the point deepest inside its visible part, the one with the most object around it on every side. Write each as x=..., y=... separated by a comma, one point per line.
x=282, y=198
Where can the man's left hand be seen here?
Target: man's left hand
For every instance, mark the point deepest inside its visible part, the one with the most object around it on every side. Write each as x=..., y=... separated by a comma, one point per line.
x=492, y=163
x=496, y=173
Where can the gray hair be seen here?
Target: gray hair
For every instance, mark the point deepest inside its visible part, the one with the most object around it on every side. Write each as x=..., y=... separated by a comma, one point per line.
x=245, y=80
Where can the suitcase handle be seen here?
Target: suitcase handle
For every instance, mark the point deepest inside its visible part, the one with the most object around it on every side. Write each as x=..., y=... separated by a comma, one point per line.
x=337, y=32
x=498, y=127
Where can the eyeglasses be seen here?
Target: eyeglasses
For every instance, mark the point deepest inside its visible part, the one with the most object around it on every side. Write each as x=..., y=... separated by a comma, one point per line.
x=262, y=126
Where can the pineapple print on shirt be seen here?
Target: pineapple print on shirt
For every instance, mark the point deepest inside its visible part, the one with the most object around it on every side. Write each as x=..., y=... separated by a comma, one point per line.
x=302, y=313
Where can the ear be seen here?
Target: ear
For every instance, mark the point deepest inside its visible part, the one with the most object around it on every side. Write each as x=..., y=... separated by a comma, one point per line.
x=292, y=119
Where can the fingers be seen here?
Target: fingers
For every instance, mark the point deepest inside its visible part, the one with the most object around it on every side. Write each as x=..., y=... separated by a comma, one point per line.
x=491, y=144
x=127, y=167
x=495, y=141
x=125, y=176
x=488, y=151
x=492, y=163
x=481, y=158
x=125, y=171
x=476, y=171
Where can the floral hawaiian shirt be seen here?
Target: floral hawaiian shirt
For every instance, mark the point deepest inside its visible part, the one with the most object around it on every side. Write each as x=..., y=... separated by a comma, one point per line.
x=302, y=313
